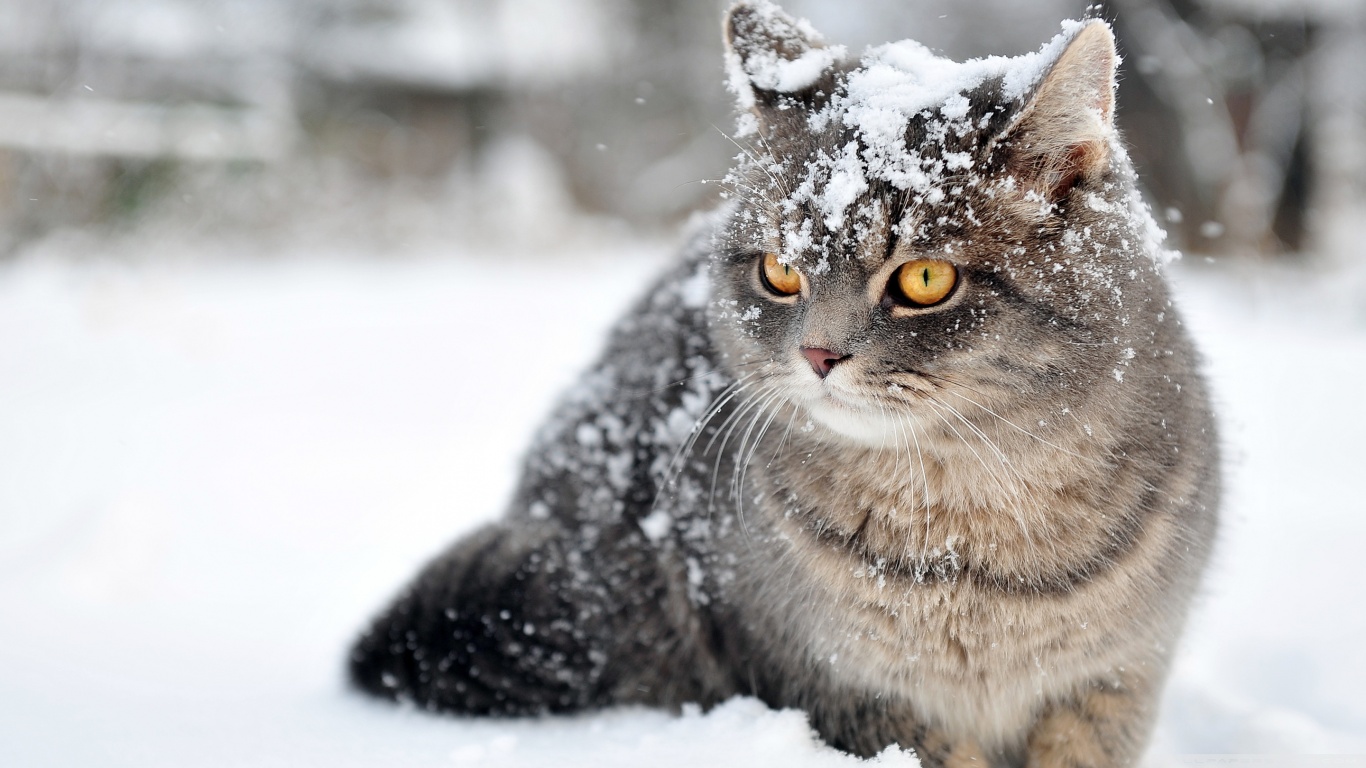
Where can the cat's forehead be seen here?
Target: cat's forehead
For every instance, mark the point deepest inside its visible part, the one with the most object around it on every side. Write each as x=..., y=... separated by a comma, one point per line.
x=891, y=160
x=905, y=154
x=904, y=116
x=823, y=206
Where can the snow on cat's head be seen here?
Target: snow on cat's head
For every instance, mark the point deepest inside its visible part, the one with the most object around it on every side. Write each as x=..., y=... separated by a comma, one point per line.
x=904, y=226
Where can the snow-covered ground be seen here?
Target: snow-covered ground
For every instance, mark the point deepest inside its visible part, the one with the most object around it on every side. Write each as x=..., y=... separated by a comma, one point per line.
x=213, y=470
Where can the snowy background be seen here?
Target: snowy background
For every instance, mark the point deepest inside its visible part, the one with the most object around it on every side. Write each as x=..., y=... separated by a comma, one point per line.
x=258, y=361
x=213, y=469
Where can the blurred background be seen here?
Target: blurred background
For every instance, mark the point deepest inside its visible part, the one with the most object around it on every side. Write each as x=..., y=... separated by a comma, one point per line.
x=287, y=285
x=1246, y=118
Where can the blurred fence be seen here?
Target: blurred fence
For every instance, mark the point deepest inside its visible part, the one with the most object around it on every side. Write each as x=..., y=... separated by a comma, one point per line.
x=1245, y=116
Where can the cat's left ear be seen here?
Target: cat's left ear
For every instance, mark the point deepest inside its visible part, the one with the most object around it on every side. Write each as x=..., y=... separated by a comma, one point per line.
x=1062, y=135
x=777, y=63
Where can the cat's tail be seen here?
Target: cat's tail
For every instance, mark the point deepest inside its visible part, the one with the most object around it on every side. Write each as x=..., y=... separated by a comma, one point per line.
x=485, y=629
x=525, y=617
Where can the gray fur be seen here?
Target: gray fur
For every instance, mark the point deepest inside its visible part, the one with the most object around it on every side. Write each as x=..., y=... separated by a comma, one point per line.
x=985, y=554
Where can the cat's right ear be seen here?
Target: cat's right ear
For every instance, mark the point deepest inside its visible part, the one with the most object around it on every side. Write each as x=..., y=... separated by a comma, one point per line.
x=776, y=64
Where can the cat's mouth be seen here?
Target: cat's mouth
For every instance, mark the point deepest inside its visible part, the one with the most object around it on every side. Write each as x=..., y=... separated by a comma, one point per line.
x=843, y=398
x=856, y=415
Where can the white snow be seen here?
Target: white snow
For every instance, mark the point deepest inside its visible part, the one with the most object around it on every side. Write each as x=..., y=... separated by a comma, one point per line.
x=767, y=70
x=775, y=73
x=696, y=290
x=899, y=80
x=656, y=525
x=212, y=472
x=892, y=85
x=843, y=187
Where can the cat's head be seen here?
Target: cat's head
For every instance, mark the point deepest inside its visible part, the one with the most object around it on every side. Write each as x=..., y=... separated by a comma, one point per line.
x=906, y=229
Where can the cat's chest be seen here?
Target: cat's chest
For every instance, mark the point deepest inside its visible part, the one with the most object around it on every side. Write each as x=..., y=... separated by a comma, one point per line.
x=919, y=620
x=879, y=591
x=938, y=518
x=962, y=654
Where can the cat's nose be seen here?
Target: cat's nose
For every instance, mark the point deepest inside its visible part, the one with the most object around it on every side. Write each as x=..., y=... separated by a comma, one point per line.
x=822, y=360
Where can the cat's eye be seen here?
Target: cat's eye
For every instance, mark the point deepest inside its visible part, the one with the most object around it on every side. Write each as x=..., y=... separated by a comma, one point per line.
x=923, y=282
x=779, y=278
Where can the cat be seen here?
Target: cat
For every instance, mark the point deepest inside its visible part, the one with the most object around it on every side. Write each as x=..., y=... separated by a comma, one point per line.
x=911, y=438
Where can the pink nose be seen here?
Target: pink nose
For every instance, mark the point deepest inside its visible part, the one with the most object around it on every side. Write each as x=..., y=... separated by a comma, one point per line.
x=822, y=360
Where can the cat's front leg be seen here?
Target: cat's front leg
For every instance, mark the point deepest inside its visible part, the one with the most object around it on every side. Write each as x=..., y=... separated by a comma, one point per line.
x=938, y=751
x=1104, y=725
x=866, y=728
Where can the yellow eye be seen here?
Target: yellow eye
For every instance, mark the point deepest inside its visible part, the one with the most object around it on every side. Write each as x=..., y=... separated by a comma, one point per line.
x=924, y=282
x=778, y=277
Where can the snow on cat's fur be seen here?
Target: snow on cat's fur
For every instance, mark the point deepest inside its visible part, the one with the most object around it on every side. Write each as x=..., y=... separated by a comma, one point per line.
x=968, y=526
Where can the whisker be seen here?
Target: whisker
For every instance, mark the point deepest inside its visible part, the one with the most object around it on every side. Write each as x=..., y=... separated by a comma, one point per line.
x=768, y=150
x=724, y=433
x=717, y=403
x=1012, y=492
x=925, y=482
x=787, y=431
x=642, y=393
x=725, y=425
x=676, y=463
x=738, y=480
x=896, y=445
x=746, y=150
x=1017, y=508
x=1010, y=423
x=935, y=406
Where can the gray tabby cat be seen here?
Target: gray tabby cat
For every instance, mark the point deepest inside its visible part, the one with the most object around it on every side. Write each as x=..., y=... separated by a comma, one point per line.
x=912, y=439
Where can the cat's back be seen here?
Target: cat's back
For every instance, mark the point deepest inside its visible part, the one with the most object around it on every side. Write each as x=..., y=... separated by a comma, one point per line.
x=610, y=442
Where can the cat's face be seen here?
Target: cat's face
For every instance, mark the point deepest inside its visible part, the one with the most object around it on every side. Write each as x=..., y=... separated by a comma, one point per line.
x=909, y=236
